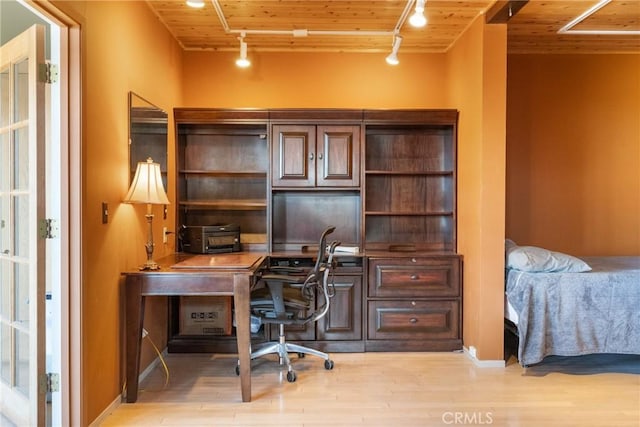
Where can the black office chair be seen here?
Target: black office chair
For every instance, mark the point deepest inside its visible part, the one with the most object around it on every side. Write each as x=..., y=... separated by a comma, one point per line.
x=289, y=299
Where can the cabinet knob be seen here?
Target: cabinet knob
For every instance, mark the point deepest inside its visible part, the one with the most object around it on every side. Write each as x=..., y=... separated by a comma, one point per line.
x=6, y=252
x=311, y=157
x=413, y=320
x=319, y=156
x=414, y=260
x=414, y=277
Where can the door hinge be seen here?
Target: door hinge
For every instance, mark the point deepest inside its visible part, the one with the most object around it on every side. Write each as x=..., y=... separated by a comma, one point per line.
x=48, y=228
x=48, y=73
x=49, y=382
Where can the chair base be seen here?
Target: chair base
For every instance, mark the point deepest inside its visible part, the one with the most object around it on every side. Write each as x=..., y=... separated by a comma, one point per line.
x=282, y=349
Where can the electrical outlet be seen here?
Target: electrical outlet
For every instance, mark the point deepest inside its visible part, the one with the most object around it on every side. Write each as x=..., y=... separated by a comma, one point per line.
x=165, y=233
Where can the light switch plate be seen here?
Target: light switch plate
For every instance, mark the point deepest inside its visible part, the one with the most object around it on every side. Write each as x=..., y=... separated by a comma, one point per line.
x=105, y=212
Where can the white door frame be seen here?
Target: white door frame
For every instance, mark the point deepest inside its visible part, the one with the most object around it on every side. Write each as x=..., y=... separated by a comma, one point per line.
x=71, y=385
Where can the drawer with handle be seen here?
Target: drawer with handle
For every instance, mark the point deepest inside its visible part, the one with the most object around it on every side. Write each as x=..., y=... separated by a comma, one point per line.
x=414, y=277
x=414, y=320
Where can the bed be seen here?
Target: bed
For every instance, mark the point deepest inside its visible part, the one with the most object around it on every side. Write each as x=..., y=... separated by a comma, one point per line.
x=569, y=313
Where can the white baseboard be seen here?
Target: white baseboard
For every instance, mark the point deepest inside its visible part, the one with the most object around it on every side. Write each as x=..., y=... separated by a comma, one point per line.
x=118, y=400
x=471, y=354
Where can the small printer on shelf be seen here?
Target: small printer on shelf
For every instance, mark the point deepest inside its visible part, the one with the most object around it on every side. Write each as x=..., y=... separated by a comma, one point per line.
x=211, y=239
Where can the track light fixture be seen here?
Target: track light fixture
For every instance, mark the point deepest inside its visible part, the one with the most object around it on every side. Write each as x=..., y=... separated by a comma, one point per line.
x=196, y=4
x=418, y=19
x=392, y=58
x=242, y=61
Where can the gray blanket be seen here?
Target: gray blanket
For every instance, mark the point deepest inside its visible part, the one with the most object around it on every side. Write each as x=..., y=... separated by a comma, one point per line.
x=570, y=314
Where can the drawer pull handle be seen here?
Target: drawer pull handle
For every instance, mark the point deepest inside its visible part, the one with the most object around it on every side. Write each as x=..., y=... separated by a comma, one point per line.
x=414, y=277
x=413, y=320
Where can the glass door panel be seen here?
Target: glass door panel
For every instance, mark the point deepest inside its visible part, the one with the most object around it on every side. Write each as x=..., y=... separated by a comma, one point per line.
x=21, y=249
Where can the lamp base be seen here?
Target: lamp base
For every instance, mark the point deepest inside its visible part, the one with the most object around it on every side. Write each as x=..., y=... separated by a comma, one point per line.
x=149, y=265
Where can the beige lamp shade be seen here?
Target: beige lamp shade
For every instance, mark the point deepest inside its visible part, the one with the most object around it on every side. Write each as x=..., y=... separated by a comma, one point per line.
x=147, y=185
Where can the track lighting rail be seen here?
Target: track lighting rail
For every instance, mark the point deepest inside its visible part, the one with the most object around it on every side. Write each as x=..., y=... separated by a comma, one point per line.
x=396, y=39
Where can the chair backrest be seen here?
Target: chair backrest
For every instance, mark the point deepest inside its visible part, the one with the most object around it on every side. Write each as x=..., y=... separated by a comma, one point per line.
x=324, y=284
x=283, y=308
x=321, y=259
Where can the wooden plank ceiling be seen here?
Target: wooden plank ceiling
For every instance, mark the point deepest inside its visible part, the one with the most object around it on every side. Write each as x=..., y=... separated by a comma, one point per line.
x=368, y=25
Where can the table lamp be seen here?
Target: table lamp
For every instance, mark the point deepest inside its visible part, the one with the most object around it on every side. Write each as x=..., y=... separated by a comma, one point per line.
x=147, y=187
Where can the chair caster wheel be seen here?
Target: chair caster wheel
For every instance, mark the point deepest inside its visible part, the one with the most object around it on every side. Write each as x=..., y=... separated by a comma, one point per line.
x=291, y=376
x=328, y=364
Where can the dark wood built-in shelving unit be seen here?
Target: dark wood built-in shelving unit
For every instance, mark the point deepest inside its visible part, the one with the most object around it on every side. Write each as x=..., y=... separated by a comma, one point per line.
x=385, y=178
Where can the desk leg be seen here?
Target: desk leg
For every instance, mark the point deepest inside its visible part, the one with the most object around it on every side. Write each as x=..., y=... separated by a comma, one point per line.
x=241, y=285
x=134, y=313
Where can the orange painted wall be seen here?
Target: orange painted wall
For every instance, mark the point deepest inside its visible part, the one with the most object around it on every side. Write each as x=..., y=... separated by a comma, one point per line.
x=573, y=146
x=477, y=66
x=125, y=48
x=314, y=80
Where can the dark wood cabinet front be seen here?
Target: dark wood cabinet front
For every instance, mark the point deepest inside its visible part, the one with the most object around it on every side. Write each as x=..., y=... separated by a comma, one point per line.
x=293, y=156
x=344, y=319
x=315, y=156
x=435, y=276
x=414, y=320
x=414, y=303
x=338, y=156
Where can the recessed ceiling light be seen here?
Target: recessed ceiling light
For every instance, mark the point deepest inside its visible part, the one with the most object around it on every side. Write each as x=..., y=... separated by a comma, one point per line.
x=197, y=4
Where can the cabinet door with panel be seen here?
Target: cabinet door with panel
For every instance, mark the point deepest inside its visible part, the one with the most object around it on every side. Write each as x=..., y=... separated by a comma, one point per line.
x=315, y=156
x=343, y=321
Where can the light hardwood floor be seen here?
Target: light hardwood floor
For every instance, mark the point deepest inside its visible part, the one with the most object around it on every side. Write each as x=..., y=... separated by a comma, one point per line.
x=389, y=389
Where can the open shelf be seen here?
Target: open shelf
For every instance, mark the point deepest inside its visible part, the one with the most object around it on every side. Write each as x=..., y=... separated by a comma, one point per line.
x=222, y=176
x=410, y=187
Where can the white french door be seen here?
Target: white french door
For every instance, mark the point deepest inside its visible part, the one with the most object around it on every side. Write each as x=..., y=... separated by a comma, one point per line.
x=22, y=246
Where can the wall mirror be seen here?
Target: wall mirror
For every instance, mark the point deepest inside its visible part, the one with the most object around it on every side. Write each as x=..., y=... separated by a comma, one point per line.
x=148, y=128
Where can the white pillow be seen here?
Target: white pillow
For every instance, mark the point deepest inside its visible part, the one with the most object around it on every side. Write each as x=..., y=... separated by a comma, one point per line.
x=509, y=244
x=539, y=260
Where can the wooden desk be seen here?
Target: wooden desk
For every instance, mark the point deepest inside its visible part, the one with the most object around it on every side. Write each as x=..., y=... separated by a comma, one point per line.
x=181, y=274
